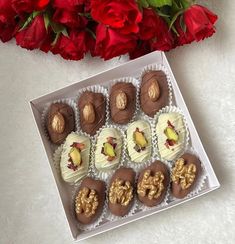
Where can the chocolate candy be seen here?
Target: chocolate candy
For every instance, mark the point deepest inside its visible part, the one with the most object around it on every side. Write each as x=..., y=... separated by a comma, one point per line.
x=121, y=191
x=185, y=173
x=122, y=102
x=89, y=201
x=60, y=122
x=152, y=184
x=154, y=93
x=92, y=111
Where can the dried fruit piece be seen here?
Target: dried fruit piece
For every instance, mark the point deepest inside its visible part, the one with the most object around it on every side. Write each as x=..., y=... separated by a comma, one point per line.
x=154, y=91
x=140, y=139
x=121, y=100
x=89, y=113
x=58, y=123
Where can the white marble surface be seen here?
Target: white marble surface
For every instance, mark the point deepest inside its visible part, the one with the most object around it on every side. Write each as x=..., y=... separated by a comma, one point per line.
x=30, y=210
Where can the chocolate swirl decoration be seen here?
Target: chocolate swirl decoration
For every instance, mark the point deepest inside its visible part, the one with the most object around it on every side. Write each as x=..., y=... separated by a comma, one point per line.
x=153, y=80
x=127, y=92
x=98, y=102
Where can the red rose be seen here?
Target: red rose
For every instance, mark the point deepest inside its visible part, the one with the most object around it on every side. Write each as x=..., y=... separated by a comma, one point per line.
x=34, y=35
x=7, y=20
x=110, y=43
x=123, y=15
x=72, y=5
x=75, y=46
x=28, y=6
x=199, y=22
x=149, y=24
x=70, y=18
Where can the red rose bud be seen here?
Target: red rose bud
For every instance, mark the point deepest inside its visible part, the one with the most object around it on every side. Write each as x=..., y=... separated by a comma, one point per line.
x=69, y=18
x=75, y=46
x=122, y=15
x=110, y=43
x=182, y=37
x=34, y=35
x=163, y=39
x=199, y=22
x=7, y=20
x=28, y=6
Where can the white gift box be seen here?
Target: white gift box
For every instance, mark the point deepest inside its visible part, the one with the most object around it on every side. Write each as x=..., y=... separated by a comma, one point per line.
x=133, y=69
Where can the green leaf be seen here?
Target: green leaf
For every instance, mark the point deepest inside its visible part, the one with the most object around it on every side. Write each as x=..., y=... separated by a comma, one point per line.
x=186, y=3
x=57, y=28
x=159, y=3
x=29, y=19
x=46, y=20
x=175, y=17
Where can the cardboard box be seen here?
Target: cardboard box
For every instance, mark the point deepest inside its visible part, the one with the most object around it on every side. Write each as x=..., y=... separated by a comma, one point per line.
x=131, y=68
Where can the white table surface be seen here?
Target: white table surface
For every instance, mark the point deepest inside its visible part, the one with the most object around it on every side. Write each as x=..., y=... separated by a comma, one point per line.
x=30, y=209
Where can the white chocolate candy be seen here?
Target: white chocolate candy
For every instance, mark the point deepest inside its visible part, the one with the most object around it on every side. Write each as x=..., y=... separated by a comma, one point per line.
x=101, y=161
x=142, y=155
x=170, y=152
x=70, y=175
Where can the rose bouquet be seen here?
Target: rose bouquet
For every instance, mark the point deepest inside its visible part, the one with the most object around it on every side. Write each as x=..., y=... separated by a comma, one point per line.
x=104, y=28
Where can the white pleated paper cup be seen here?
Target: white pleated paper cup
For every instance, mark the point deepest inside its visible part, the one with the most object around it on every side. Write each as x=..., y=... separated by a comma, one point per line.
x=165, y=110
x=69, y=101
x=136, y=84
x=95, y=89
x=158, y=67
x=99, y=220
x=104, y=175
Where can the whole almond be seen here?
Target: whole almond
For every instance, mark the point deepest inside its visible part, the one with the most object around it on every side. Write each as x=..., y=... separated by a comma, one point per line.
x=89, y=113
x=58, y=123
x=154, y=91
x=121, y=100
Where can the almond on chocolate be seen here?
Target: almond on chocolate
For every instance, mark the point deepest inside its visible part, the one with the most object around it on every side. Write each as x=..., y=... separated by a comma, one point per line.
x=122, y=102
x=154, y=92
x=92, y=110
x=60, y=122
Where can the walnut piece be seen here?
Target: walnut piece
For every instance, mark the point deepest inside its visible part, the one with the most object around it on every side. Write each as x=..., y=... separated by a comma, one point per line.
x=58, y=123
x=183, y=174
x=89, y=113
x=154, y=91
x=86, y=202
x=121, y=100
x=121, y=192
x=152, y=186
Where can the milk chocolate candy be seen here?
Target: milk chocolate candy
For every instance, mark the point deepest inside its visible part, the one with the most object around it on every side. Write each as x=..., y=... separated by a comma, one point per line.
x=89, y=201
x=121, y=191
x=60, y=122
x=185, y=173
x=92, y=110
x=122, y=102
x=152, y=184
x=154, y=92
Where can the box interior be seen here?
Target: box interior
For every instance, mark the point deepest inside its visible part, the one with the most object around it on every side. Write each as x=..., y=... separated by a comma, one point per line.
x=131, y=68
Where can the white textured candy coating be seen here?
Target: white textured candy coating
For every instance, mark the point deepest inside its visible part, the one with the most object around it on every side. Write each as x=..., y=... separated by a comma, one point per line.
x=69, y=175
x=101, y=162
x=176, y=120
